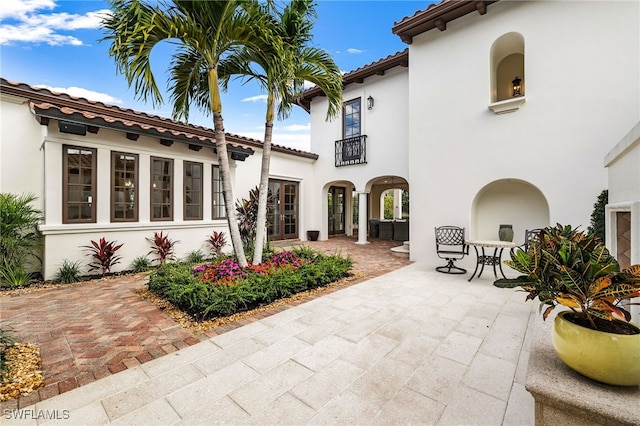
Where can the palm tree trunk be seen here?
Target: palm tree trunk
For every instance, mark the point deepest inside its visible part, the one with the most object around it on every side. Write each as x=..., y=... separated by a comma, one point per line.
x=261, y=220
x=223, y=160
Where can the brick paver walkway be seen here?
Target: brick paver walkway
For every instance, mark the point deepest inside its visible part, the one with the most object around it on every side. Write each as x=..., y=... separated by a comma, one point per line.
x=92, y=330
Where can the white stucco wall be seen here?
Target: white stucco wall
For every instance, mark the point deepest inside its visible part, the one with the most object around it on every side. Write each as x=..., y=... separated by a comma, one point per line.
x=623, y=164
x=283, y=167
x=386, y=127
x=581, y=87
x=31, y=161
x=191, y=234
x=21, y=158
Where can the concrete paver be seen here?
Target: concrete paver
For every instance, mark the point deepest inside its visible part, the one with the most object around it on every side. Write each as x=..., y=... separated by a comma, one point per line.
x=410, y=346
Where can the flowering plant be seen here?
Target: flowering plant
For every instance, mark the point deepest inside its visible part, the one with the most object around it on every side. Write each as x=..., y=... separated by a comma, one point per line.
x=228, y=271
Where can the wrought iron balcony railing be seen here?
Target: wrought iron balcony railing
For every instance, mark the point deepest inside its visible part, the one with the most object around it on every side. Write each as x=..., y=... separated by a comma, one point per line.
x=351, y=151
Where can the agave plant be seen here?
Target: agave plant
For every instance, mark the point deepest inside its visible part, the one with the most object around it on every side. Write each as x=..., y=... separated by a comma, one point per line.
x=569, y=268
x=103, y=255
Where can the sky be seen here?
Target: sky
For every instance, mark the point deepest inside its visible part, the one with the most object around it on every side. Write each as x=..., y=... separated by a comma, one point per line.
x=55, y=44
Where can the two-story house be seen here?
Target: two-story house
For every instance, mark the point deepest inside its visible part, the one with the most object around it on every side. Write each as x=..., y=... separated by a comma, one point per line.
x=497, y=112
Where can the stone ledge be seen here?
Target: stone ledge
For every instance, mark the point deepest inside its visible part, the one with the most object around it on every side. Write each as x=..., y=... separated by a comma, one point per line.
x=564, y=397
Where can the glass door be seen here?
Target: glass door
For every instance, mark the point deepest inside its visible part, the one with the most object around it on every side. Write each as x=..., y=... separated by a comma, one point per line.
x=283, y=219
x=336, y=202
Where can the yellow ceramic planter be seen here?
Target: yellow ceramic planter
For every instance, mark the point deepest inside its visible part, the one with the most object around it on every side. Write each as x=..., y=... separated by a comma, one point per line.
x=606, y=357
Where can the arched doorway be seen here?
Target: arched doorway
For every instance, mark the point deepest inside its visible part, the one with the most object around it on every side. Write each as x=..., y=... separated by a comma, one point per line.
x=508, y=201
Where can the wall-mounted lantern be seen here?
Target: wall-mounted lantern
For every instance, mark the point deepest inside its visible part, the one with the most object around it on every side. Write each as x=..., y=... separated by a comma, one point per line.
x=370, y=102
x=517, y=88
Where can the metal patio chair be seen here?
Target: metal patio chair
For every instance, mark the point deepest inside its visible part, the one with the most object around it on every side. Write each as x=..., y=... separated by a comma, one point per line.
x=529, y=235
x=450, y=246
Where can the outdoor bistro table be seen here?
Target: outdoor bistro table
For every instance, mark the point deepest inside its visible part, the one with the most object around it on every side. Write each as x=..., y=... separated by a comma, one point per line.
x=489, y=259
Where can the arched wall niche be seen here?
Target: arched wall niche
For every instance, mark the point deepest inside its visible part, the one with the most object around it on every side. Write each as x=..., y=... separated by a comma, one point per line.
x=508, y=201
x=507, y=62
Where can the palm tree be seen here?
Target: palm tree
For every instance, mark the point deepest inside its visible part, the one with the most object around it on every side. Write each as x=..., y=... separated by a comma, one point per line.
x=205, y=32
x=283, y=70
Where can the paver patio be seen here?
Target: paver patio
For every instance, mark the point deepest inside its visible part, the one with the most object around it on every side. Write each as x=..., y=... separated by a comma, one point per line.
x=91, y=330
x=411, y=346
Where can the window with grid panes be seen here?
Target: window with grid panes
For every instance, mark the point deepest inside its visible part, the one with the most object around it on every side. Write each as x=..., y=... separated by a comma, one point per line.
x=192, y=190
x=351, y=118
x=124, y=187
x=79, y=185
x=161, y=189
x=218, y=210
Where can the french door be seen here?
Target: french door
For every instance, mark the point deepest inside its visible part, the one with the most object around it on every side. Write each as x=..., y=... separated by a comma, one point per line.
x=336, y=202
x=283, y=218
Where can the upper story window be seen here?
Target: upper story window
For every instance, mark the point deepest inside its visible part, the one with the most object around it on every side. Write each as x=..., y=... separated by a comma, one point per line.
x=351, y=118
x=218, y=210
x=78, y=185
x=161, y=189
x=192, y=190
x=124, y=187
x=507, y=67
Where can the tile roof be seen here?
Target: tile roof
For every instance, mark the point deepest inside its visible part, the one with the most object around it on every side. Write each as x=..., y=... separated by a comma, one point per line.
x=358, y=75
x=437, y=15
x=61, y=105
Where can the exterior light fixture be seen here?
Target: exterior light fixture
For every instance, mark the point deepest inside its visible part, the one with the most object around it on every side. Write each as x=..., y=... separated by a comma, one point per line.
x=517, y=88
x=370, y=102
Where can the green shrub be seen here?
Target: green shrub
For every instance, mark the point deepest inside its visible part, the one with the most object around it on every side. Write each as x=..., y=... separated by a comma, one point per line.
x=195, y=256
x=14, y=275
x=597, y=226
x=141, y=264
x=19, y=237
x=69, y=272
x=246, y=289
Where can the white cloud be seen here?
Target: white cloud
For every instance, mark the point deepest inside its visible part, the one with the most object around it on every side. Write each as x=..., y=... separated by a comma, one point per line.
x=79, y=92
x=19, y=8
x=354, y=51
x=23, y=21
x=296, y=127
x=258, y=98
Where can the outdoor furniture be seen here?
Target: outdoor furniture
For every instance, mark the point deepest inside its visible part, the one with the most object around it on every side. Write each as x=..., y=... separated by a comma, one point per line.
x=529, y=235
x=374, y=229
x=401, y=230
x=450, y=245
x=386, y=230
x=489, y=259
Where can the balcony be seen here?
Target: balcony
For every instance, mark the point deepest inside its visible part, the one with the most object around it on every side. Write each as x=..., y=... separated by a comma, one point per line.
x=351, y=151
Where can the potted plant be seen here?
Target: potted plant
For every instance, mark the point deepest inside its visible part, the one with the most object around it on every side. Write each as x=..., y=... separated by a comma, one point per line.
x=566, y=267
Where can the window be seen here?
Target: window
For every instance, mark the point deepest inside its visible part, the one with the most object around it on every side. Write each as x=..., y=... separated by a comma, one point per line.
x=78, y=185
x=351, y=118
x=218, y=209
x=161, y=189
x=124, y=187
x=192, y=191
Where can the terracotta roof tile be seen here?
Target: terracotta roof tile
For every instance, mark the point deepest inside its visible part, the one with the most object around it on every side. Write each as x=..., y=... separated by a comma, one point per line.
x=45, y=99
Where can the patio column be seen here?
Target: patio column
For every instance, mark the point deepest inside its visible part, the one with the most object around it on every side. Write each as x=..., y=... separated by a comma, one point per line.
x=397, y=203
x=362, y=218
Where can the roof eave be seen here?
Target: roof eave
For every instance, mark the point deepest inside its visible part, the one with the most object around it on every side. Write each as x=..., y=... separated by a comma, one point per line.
x=357, y=76
x=437, y=16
